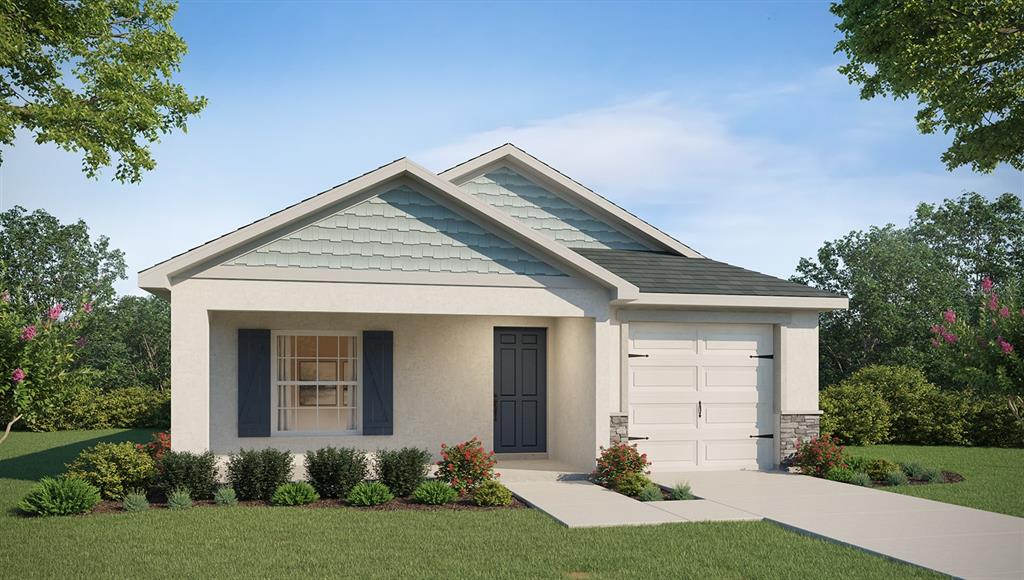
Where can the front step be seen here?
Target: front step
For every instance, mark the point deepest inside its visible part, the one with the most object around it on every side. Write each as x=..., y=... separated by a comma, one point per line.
x=521, y=470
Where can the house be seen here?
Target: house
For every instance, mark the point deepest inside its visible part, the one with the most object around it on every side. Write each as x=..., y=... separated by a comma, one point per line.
x=499, y=298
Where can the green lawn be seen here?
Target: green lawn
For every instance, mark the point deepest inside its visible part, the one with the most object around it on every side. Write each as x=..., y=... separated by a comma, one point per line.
x=264, y=542
x=994, y=476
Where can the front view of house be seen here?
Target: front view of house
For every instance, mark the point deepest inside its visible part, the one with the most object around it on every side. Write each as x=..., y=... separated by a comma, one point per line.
x=498, y=299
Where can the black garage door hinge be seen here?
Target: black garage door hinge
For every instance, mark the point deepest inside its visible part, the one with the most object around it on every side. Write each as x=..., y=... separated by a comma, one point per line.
x=633, y=355
x=765, y=436
x=638, y=438
x=762, y=356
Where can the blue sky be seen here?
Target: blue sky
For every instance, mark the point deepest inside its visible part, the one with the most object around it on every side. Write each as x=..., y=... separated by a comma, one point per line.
x=723, y=123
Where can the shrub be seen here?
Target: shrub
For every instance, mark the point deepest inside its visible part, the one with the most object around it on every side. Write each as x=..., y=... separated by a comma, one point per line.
x=136, y=407
x=681, y=491
x=60, y=497
x=855, y=413
x=135, y=501
x=334, y=471
x=993, y=424
x=817, y=456
x=896, y=477
x=257, y=474
x=913, y=469
x=631, y=483
x=225, y=496
x=179, y=499
x=114, y=468
x=369, y=493
x=294, y=493
x=856, y=462
x=618, y=460
x=879, y=468
x=650, y=493
x=156, y=448
x=435, y=493
x=840, y=474
x=932, y=475
x=195, y=471
x=492, y=494
x=403, y=470
x=465, y=466
x=860, y=478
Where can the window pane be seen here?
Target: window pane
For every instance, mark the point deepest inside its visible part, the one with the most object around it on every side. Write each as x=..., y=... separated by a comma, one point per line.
x=348, y=397
x=328, y=346
x=307, y=370
x=307, y=396
x=328, y=396
x=348, y=370
x=286, y=396
x=346, y=345
x=305, y=420
x=327, y=370
x=286, y=420
x=305, y=346
x=330, y=420
x=348, y=419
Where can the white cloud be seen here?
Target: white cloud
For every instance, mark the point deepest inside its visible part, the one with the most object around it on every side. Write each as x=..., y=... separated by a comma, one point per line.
x=736, y=196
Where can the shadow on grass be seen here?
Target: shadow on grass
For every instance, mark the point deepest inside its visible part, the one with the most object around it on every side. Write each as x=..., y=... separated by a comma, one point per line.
x=51, y=461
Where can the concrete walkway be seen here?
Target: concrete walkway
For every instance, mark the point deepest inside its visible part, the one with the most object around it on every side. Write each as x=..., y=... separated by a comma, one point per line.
x=581, y=504
x=955, y=540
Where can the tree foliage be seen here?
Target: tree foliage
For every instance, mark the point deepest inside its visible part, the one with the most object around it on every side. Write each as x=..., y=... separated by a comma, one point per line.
x=900, y=279
x=93, y=76
x=963, y=60
x=129, y=342
x=44, y=262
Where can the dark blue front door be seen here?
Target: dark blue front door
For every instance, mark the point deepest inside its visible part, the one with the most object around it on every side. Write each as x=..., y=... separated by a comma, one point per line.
x=520, y=390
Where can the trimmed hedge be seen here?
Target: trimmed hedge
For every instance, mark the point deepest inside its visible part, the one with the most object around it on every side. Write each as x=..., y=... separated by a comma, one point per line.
x=85, y=407
x=257, y=474
x=115, y=468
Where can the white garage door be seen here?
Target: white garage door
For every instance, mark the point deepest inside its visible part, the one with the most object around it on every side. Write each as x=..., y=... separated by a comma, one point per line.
x=699, y=393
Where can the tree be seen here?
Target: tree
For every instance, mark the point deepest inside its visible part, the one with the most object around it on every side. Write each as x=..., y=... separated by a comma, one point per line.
x=130, y=343
x=93, y=76
x=900, y=279
x=963, y=60
x=44, y=262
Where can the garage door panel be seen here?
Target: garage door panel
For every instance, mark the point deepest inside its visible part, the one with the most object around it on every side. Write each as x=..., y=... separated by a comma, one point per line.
x=683, y=377
x=664, y=337
x=733, y=377
x=739, y=415
x=670, y=414
x=668, y=455
x=730, y=451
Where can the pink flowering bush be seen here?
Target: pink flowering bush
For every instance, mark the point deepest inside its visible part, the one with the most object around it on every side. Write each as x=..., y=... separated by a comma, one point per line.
x=817, y=456
x=984, y=344
x=36, y=362
x=618, y=460
x=465, y=466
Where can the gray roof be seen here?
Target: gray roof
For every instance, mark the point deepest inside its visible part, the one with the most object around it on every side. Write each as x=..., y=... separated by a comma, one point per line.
x=674, y=274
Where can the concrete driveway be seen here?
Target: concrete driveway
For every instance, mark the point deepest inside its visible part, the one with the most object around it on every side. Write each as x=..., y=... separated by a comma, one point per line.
x=959, y=541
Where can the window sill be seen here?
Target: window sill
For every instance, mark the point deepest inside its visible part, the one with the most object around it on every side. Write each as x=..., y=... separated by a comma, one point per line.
x=316, y=434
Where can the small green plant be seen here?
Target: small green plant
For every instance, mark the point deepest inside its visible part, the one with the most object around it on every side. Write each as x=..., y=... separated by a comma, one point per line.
x=196, y=471
x=840, y=474
x=60, y=497
x=878, y=469
x=896, y=477
x=860, y=478
x=650, y=493
x=333, y=471
x=135, y=501
x=492, y=494
x=932, y=475
x=920, y=472
x=179, y=499
x=631, y=483
x=435, y=493
x=369, y=493
x=225, y=496
x=681, y=491
x=403, y=470
x=294, y=493
x=257, y=474
x=114, y=468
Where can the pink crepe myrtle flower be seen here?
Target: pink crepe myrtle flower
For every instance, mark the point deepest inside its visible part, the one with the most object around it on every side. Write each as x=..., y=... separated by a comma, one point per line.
x=936, y=329
x=949, y=337
x=949, y=316
x=936, y=343
x=87, y=307
x=28, y=333
x=18, y=375
x=1005, y=346
x=993, y=302
x=1004, y=312
x=987, y=284
x=54, y=312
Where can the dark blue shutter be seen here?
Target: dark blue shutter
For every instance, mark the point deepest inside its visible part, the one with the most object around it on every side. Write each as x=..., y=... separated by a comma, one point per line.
x=253, y=383
x=378, y=382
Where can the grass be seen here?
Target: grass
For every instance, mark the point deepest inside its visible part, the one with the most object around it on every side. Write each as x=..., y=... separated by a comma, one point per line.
x=265, y=542
x=994, y=476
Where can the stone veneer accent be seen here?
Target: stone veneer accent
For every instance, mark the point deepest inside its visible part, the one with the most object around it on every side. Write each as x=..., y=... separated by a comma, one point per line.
x=619, y=429
x=794, y=428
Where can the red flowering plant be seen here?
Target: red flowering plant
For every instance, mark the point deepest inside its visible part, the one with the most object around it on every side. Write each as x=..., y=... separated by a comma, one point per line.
x=984, y=345
x=156, y=448
x=817, y=456
x=465, y=466
x=37, y=359
x=616, y=461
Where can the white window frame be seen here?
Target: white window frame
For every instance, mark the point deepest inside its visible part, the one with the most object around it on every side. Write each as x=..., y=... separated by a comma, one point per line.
x=274, y=431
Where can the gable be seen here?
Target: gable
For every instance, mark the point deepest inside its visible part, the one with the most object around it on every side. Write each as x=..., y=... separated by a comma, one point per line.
x=548, y=214
x=398, y=230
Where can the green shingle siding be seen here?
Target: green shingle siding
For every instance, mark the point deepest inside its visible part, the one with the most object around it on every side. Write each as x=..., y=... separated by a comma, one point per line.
x=401, y=230
x=546, y=212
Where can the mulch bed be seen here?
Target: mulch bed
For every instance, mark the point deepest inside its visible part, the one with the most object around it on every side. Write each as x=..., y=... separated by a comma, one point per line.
x=397, y=504
x=947, y=477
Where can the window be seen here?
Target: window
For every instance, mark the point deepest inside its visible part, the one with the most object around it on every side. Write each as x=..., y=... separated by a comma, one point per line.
x=316, y=382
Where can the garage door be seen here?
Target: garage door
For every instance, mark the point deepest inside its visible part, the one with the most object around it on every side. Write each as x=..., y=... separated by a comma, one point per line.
x=701, y=394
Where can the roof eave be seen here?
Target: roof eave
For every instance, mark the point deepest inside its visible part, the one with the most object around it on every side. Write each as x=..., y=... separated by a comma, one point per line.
x=817, y=303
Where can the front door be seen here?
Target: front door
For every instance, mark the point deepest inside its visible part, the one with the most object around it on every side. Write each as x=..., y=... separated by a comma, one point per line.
x=520, y=390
